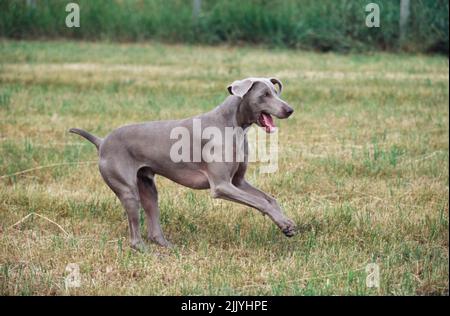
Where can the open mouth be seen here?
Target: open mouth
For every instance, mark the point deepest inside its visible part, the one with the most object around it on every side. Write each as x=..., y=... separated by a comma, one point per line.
x=265, y=120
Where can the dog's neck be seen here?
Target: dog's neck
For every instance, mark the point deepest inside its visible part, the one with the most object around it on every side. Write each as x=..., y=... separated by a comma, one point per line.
x=235, y=110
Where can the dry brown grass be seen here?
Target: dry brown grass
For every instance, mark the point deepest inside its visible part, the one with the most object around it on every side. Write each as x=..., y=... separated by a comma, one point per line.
x=363, y=171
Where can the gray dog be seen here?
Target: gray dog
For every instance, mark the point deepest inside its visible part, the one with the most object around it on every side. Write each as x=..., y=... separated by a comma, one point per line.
x=132, y=155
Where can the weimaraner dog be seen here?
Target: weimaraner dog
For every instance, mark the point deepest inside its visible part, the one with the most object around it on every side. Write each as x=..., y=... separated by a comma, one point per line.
x=132, y=155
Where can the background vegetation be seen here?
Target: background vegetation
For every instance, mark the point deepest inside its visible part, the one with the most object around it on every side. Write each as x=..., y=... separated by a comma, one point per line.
x=337, y=25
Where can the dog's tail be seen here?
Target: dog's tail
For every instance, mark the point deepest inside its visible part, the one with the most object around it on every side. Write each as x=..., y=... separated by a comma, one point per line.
x=92, y=138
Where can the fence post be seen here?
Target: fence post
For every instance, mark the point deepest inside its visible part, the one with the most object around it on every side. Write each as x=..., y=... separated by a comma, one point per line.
x=404, y=16
x=31, y=4
x=196, y=8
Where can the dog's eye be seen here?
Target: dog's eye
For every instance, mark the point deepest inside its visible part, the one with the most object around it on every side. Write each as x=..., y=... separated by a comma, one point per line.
x=267, y=94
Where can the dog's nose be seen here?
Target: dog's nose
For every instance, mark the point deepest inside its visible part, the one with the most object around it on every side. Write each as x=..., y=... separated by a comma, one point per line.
x=289, y=111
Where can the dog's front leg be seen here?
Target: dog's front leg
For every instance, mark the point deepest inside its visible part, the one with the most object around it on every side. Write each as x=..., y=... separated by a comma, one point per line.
x=247, y=187
x=226, y=190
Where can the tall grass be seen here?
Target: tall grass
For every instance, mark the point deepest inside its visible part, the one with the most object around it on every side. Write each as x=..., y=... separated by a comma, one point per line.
x=320, y=25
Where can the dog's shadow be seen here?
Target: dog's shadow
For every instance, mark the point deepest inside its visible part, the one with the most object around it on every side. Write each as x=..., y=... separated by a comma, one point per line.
x=303, y=240
x=273, y=240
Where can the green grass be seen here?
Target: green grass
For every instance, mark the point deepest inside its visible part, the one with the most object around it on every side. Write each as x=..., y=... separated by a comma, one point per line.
x=363, y=171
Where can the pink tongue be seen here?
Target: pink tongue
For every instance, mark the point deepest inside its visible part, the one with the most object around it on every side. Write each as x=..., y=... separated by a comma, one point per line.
x=267, y=122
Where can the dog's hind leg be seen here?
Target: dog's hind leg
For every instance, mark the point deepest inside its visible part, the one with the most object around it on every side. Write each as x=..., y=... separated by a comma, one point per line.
x=124, y=185
x=130, y=202
x=149, y=200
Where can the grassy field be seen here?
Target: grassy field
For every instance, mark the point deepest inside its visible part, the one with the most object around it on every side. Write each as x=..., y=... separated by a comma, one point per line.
x=363, y=171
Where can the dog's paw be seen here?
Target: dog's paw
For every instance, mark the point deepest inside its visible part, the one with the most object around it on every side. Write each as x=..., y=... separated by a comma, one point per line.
x=161, y=241
x=289, y=229
x=139, y=246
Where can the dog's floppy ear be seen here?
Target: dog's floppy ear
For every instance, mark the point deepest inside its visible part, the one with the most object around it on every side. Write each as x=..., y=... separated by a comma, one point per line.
x=278, y=82
x=240, y=87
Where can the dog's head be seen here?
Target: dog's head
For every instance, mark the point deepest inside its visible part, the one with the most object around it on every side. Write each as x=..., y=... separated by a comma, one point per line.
x=262, y=100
